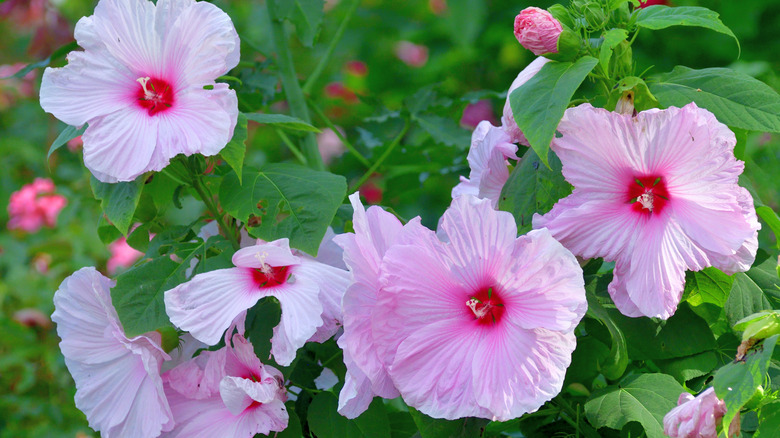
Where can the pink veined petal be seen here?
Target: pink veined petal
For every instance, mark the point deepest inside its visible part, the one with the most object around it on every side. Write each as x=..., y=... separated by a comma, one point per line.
x=433, y=369
x=477, y=158
x=744, y=257
x=119, y=146
x=200, y=45
x=329, y=252
x=508, y=119
x=301, y=315
x=617, y=290
x=201, y=121
x=206, y=305
x=479, y=236
x=356, y=394
x=103, y=86
x=275, y=253
x=543, y=284
x=333, y=282
x=127, y=30
x=591, y=225
x=516, y=371
x=600, y=150
x=238, y=393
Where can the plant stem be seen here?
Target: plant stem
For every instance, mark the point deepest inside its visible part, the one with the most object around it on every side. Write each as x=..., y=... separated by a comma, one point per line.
x=309, y=84
x=292, y=88
x=208, y=199
x=381, y=158
x=290, y=145
x=330, y=125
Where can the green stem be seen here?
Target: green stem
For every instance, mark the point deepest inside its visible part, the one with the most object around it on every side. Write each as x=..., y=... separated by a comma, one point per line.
x=309, y=84
x=330, y=125
x=292, y=88
x=381, y=158
x=208, y=199
x=290, y=145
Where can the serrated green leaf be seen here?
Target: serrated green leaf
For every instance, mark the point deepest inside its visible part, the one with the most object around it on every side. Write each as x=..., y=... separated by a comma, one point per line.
x=118, y=200
x=285, y=200
x=281, y=121
x=539, y=104
x=689, y=367
x=234, y=151
x=710, y=285
x=533, y=188
x=612, y=38
x=67, y=134
x=736, y=99
x=736, y=382
x=769, y=421
x=645, y=398
x=660, y=17
x=755, y=290
x=443, y=130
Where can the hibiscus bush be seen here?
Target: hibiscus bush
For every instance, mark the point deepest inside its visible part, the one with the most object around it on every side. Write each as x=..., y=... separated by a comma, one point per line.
x=308, y=218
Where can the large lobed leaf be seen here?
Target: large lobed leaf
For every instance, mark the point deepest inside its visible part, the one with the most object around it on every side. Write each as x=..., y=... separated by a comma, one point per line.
x=755, y=290
x=660, y=17
x=736, y=99
x=539, y=104
x=285, y=200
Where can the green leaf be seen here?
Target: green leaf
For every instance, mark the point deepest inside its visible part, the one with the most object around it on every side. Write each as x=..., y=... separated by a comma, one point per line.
x=306, y=15
x=710, y=285
x=689, y=367
x=684, y=334
x=374, y=421
x=443, y=130
x=769, y=421
x=736, y=99
x=612, y=38
x=260, y=322
x=118, y=200
x=643, y=98
x=234, y=151
x=67, y=134
x=615, y=364
x=465, y=20
x=660, y=17
x=401, y=424
x=57, y=54
x=326, y=422
x=281, y=121
x=645, y=398
x=138, y=294
x=294, y=429
x=770, y=217
x=539, y=104
x=755, y=290
x=285, y=200
x=439, y=428
x=736, y=382
x=533, y=188
x=139, y=238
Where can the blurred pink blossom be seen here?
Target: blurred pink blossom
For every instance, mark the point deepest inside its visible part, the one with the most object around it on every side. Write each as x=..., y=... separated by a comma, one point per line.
x=645, y=3
x=41, y=262
x=330, y=145
x=140, y=84
x=477, y=112
x=337, y=90
x=32, y=318
x=698, y=417
x=438, y=7
x=12, y=89
x=122, y=255
x=35, y=205
x=657, y=194
x=356, y=68
x=537, y=30
x=75, y=144
x=413, y=55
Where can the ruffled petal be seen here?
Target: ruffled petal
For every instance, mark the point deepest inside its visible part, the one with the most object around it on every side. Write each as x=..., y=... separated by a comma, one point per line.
x=127, y=30
x=238, y=393
x=201, y=121
x=200, y=44
x=516, y=371
x=276, y=253
x=356, y=394
x=206, y=305
x=119, y=146
x=333, y=282
x=301, y=315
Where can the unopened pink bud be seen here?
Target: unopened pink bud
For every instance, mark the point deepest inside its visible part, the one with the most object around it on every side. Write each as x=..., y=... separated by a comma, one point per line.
x=413, y=55
x=537, y=30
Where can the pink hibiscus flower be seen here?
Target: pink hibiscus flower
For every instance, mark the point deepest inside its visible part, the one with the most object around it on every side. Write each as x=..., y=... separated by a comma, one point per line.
x=657, y=194
x=508, y=119
x=34, y=206
x=479, y=323
x=490, y=148
x=375, y=231
x=227, y=392
x=145, y=84
x=118, y=384
x=698, y=417
x=207, y=305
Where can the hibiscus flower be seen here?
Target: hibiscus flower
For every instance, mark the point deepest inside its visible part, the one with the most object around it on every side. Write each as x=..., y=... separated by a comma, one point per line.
x=657, y=194
x=145, y=84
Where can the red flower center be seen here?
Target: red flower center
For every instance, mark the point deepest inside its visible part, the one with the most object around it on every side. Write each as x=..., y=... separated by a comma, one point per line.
x=487, y=306
x=270, y=276
x=647, y=194
x=155, y=95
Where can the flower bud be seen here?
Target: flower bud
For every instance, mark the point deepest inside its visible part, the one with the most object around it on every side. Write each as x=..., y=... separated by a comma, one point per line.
x=537, y=30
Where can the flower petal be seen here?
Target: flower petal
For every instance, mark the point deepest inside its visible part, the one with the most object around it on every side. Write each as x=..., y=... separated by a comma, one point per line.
x=301, y=315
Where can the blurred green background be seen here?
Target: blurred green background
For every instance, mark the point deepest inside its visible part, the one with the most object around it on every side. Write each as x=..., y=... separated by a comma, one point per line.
x=467, y=53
